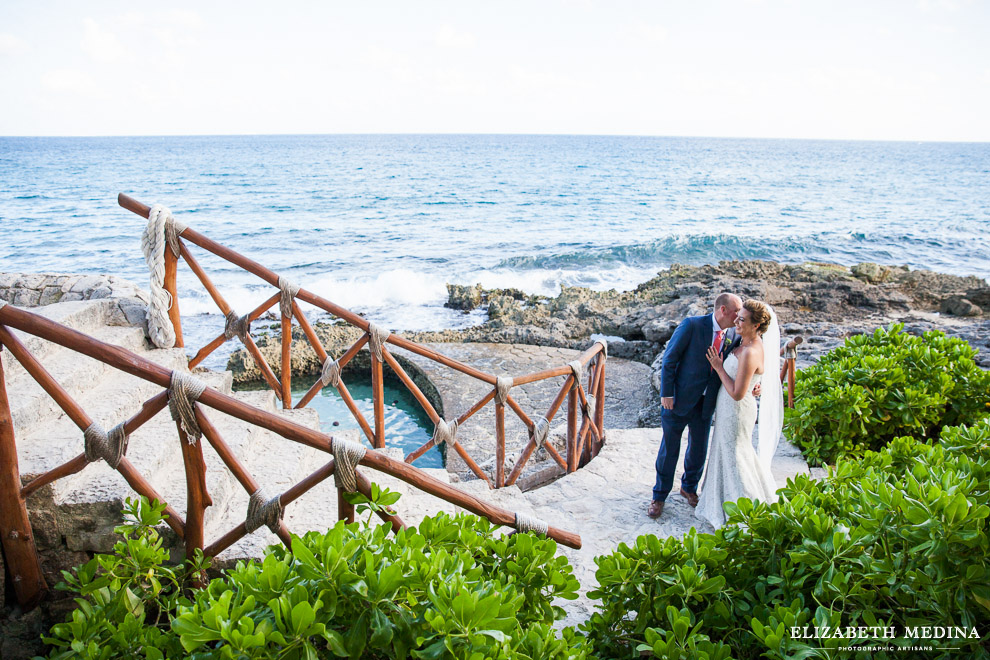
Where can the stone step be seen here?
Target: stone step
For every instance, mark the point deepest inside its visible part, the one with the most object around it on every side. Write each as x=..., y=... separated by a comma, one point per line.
x=31, y=406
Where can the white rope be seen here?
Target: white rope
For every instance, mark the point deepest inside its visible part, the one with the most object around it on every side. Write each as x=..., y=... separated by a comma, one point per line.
x=502, y=386
x=540, y=431
x=346, y=456
x=236, y=326
x=331, y=373
x=604, y=347
x=445, y=433
x=263, y=509
x=183, y=391
x=525, y=523
x=162, y=229
x=590, y=402
x=577, y=370
x=289, y=291
x=377, y=337
x=100, y=444
x=3, y=303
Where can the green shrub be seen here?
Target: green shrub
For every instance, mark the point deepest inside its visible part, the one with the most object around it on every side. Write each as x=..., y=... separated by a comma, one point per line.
x=451, y=589
x=877, y=387
x=896, y=538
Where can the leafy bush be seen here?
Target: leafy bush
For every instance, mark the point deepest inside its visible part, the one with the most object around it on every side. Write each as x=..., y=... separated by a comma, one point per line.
x=877, y=387
x=451, y=589
x=897, y=538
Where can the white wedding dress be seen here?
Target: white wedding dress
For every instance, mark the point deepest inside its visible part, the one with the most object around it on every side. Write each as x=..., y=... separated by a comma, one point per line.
x=734, y=468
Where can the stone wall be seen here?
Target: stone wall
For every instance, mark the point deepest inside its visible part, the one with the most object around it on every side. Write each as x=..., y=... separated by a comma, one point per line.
x=38, y=289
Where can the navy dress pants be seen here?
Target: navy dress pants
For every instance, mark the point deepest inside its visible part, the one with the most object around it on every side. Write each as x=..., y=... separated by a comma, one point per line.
x=698, y=425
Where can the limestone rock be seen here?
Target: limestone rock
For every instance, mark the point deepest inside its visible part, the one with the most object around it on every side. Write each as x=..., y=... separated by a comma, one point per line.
x=463, y=297
x=959, y=306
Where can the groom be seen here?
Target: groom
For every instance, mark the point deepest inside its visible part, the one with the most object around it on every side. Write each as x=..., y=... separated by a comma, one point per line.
x=688, y=389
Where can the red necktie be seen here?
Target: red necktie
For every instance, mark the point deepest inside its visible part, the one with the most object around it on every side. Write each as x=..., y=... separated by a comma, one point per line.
x=717, y=343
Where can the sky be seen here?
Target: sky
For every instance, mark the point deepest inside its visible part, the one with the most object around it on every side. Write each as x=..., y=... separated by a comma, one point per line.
x=863, y=69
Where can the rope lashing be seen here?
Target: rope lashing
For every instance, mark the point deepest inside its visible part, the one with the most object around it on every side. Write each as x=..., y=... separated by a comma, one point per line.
x=540, y=431
x=502, y=386
x=377, y=337
x=263, y=509
x=445, y=433
x=289, y=291
x=578, y=370
x=525, y=523
x=182, y=393
x=162, y=229
x=236, y=326
x=604, y=347
x=109, y=446
x=3, y=303
x=346, y=456
x=790, y=352
x=590, y=403
x=331, y=373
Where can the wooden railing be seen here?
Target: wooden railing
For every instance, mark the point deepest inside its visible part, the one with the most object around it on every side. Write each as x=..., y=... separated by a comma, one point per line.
x=15, y=528
x=788, y=370
x=585, y=422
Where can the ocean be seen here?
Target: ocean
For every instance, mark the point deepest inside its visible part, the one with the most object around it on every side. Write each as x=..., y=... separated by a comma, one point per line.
x=380, y=223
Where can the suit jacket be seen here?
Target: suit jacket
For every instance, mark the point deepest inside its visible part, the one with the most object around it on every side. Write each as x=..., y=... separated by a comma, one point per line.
x=685, y=372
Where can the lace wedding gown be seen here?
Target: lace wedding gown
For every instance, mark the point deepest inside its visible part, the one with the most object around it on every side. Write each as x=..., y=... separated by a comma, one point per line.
x=734, y=470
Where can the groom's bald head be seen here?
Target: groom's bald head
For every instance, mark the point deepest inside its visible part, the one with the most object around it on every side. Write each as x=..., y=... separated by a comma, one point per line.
x=727, y=306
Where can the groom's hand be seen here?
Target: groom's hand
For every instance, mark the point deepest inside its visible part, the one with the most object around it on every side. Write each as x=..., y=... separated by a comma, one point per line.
x=758, y=389
x=667, y=402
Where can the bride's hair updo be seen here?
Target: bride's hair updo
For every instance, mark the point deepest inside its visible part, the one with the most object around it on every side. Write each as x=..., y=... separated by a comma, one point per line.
x=759, y=314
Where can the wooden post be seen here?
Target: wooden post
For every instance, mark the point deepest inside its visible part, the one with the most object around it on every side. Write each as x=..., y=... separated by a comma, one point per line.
x=15, y=528
x=572, y=413
x=286, y=362
x=345, y=510
x=197, y=496
x=600, y=404
x=791, y=375
x=171, y=273
x=378, y=397
x=499, y=445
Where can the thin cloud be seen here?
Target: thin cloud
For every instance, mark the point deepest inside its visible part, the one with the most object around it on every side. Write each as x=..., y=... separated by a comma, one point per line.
x=11, y=44
x=450, y=37
x=101, y=44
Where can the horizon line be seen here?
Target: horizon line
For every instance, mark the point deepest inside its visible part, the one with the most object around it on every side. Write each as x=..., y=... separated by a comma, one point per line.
x=490, y=134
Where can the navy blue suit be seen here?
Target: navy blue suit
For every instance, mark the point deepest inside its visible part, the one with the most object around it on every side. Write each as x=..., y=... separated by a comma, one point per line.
x=685, y=374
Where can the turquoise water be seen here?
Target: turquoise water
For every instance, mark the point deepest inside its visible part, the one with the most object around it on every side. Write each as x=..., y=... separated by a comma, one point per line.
x=406, y=425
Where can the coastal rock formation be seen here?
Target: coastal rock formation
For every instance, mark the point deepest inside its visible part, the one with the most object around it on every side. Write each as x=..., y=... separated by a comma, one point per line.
x=37, y=289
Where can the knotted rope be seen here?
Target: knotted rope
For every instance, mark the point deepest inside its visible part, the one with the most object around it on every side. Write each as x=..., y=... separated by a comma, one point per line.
x=578, y=370
x=331, y=373
x=3, y=303
x=376, y=339
x=540, y=431
x=590, y=402
x=182, y=393
x=346, y=456
x=111, y=446
x=162, y=229
x=502, y=386
x=236, y=326
x=289, y=292
x=263, y=510
x=525, y=523
x=604, y=347
x=445, y=432
x=790, y=352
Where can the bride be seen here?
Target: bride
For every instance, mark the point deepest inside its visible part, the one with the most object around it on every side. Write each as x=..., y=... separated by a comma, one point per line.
x=735, y=469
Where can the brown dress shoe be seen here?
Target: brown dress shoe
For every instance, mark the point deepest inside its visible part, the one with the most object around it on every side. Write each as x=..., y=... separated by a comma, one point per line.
x=656, y=508
x=692, y=498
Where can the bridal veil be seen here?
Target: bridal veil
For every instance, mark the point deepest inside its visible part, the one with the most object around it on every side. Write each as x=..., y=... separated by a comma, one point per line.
x=771, y=416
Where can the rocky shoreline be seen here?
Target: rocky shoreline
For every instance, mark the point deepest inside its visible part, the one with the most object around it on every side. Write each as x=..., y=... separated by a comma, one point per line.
x=823, y=303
